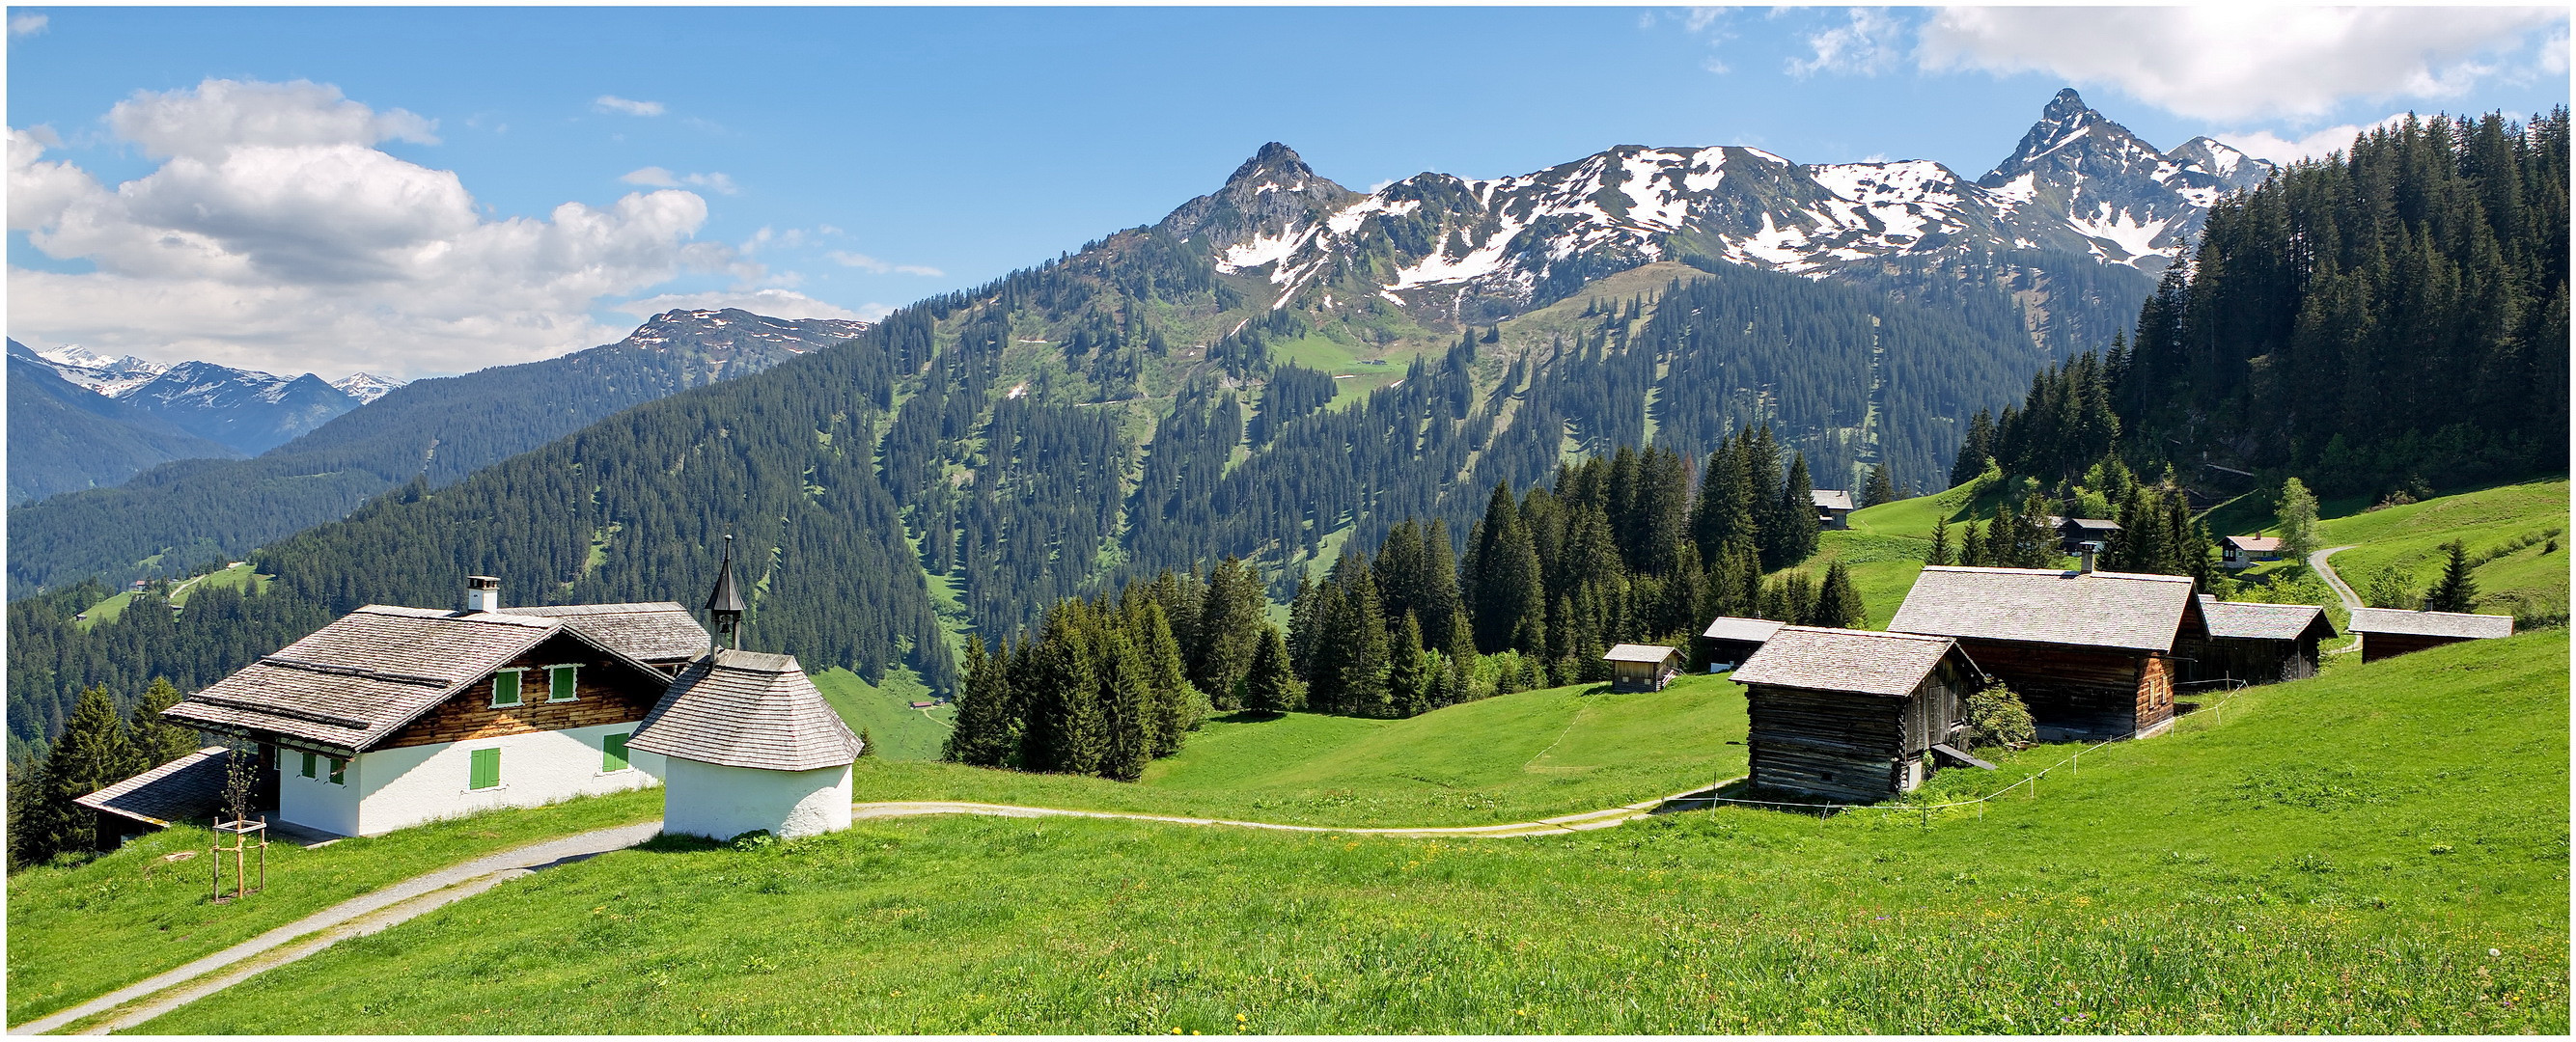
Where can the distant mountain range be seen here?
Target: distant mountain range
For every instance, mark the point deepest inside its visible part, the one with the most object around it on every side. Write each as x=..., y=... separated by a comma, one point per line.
x=178, y=515
x=245, y=410
x=63, y=437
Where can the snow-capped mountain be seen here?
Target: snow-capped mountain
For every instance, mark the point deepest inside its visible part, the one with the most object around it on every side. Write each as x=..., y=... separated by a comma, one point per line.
x=732, y=341
x=2078, y=184
x=100, y=373
x=365, y=387
x=249, y=410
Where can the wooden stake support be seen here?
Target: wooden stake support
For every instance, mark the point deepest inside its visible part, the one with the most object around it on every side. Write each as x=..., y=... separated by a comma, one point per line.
x=242, y=866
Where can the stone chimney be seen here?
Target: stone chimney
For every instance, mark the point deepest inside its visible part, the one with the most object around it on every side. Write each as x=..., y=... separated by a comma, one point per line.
x=482, y=593
x=2084, y=556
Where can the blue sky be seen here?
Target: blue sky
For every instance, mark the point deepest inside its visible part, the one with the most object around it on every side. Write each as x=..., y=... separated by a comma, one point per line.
x=399, y=210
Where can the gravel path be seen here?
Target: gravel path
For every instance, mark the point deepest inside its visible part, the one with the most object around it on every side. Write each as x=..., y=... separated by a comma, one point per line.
x=143, y=1000
x=2317, y=563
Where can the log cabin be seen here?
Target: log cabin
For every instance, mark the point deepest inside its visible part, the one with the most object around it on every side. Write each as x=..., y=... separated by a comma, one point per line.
x=1730, y=640
x=392, y=716
x=2255, y=643
x=2092, y=653
x=2389, y=632
x=1642, y=667
x=1850, y=714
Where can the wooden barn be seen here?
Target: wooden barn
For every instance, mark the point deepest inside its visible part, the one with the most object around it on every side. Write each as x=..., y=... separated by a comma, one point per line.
x=1642, y=667
x=1729, y=640
x=2093, y=654
x=2255, y=643
x=1833, y=507
x=1849, y=714
x=2074, y=532
x=2388, y=632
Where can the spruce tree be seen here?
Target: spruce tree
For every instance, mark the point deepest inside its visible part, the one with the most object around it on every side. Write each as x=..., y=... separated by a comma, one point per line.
x=1228, y=623
x=1409, y=675
x=1175, y=706
x=1838, y=603
x=1723, y=511
x=93, y=752
x=1797, y=537
x=984, y=735
x=1366, y=654
x=1940, y=553
x=1271, y=687
x=157, y=739
x=1881, y=487
x=2457, y=590
x=1439, y=609
x=1124, y=697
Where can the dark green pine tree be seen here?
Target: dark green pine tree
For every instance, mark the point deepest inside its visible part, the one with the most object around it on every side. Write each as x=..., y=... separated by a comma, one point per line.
x=1442, y=620
x=1360, y=632
x=1124, y=698
x=1976, y=451
x=1838, y=603
x=1399, y=569
x=1305, y=622
x=1271, y=687
x=1762, y=487
x=1065, y=733
x=1324, y=666
x=1940, y=553
x=1411, y=672
x=158, y=740
x=1175, y=707
x=986, y=733
x=2457, y=590
x=1723, y=512
x=1511, y=598
x=1972, y=545
x=1798, y=525
x=1881, y=487
x=1228, y=623
x=93, y=752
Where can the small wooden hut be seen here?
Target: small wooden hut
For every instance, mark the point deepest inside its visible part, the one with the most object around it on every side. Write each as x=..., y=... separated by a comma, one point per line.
x=2091, y=653
x=2388, y=632
x=2074, y=532
x=1833, y=507
x=2255, y=643
x=1849, y=714
x=2237, y=552
x=1729, y=640
x=188, y=790
x=1642, y=667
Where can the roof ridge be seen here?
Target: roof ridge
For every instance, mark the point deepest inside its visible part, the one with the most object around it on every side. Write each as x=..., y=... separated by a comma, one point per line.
x=1897, y=634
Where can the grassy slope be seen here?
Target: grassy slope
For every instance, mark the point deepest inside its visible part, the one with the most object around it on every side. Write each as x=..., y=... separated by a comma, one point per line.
x=900, y=731
x=1509, y=758
x=234, y=576
x=2339, y=855
x=2410, y=538
x=79, y=932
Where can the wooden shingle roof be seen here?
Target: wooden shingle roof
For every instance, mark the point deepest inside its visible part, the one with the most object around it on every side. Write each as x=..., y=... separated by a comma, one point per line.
x=745, y=709
x=659, y=632
x=2258, y=544
x=2116, y=610
x=1640, y=653
x=1830, y=498
x=354, y=682
x=1857, y=661
x=2431, y=623
x=2252, y=621
x=1729, y=627
x=186, y=789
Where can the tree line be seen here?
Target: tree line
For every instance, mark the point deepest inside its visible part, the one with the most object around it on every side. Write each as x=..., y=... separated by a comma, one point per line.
x=98, y=747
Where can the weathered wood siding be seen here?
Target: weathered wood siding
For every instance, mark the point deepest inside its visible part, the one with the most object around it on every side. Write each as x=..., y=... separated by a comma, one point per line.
x=2081, y=691
x=1735, y=651
x=605, y=691
x=2376, y=646
x=1640, y=676
x=2248, y=659
x=1826, y=743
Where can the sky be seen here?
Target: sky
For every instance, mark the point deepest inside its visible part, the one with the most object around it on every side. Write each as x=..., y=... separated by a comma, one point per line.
x=423, y=191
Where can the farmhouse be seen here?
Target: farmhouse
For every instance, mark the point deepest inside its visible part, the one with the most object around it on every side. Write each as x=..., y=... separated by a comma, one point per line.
x=392, y=716
x=1833, y=507
x=2074, y=532
x=2255, y=643
x=1849, y=714
x=2245, y=551
x=1642, y=667
x=2091, y=653
x=750, y=746
x=2388, y=632
x=1730, y=640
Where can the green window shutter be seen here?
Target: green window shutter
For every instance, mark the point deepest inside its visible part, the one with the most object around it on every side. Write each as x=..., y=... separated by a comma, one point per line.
x=339, y=771
x=505, y=688
x=612, y=753
x=559, y=681
x=487, y=769
x=308, y=765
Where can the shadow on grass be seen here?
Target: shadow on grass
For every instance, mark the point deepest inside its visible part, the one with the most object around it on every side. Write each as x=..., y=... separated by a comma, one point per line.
x=1754, y=799
x=1250, y=716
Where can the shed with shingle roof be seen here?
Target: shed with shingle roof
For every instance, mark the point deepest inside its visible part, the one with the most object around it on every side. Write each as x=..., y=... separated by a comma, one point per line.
x=751, y=746
x=2092, y=653
x=1730, y=640
x=2255, y=643
x=189, y=789
x=2388, y=632
x=1849, y=714
x=1642, y=667
x=1833, y=506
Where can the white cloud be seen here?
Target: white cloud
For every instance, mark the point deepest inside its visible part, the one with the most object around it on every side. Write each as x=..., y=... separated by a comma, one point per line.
x=2264, y=144
x=658, y=177
x=652, y=175
x=275, y=236
x=1869, y=42
x=2245, y=61
x=873, y=266
x=775, y=303
x=613, y=103
x=27, y=24
x=717, y=182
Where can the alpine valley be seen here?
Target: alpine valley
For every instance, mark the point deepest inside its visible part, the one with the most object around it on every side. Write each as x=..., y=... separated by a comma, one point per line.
x=1273, y=370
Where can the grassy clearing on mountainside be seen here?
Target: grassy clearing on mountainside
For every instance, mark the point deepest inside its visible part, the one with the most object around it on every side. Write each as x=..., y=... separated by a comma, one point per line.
x=232, y=576
x=2380, y=850
x=83, y=931
x=2509, y=527
x=1509, y=758
x=1882, y=567
x=885, y=712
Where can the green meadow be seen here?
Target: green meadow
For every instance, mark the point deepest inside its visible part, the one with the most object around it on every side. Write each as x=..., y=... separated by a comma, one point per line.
x=2382, y=849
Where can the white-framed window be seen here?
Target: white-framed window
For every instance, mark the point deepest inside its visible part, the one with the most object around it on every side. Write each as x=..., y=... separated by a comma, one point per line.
x=505, y=687
x=561, y=682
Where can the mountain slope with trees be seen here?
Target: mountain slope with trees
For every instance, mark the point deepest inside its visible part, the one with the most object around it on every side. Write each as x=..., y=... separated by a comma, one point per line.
x=64, y=438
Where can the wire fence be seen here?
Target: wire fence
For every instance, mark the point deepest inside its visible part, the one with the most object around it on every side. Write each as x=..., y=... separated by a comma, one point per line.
x=2230, y=690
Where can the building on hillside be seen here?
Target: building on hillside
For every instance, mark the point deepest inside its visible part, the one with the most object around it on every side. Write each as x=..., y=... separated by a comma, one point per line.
x=751, y=746
x=2255, y=643
x=2074, y=532
x=1833, y=507
x=391, y=716
x=2389, y=632
x=1729, y=640
x=2091, y=653
x=185, y=791
x=1642, y=667
x=2245, y=551
x=1850, y=714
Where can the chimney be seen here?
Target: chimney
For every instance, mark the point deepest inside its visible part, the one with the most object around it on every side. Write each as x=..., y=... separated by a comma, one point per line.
x=482, y=593
x=2084, y=556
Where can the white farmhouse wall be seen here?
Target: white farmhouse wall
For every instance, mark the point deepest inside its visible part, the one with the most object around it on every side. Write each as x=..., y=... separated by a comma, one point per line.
x=314, y=802
x=399, y=788
x=719, y=802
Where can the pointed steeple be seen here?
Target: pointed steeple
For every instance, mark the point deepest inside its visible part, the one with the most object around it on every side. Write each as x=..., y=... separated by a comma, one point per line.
x=725, y=603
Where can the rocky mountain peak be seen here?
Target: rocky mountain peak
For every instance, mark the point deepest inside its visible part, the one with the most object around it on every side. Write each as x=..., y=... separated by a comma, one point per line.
x=1276, y=167
x=1271, y=192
